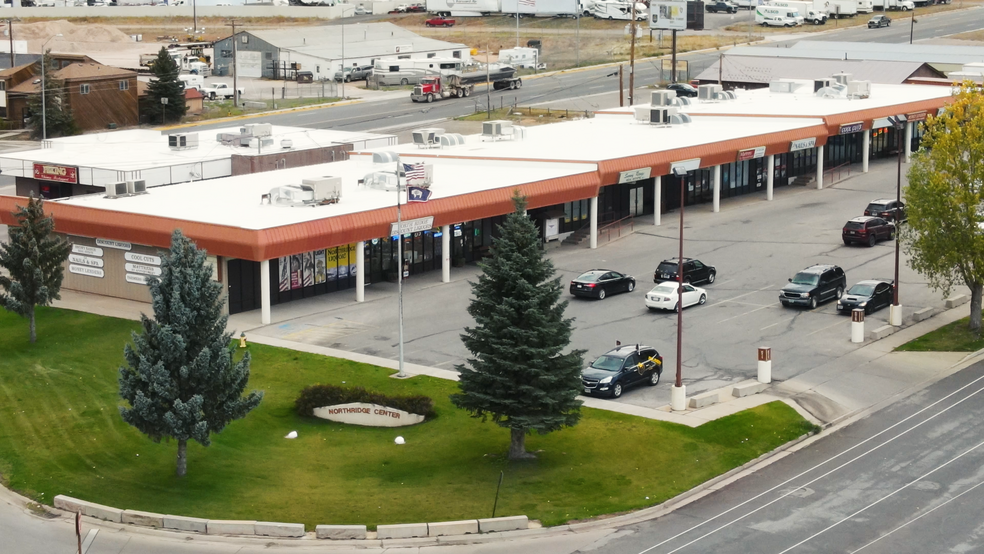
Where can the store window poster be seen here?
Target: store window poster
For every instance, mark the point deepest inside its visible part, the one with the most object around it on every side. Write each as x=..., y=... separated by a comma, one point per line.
x=319, y=267
x=331, y=264
x=343, y=262
x=308, y=262
x=295, y=271
x=284, y=274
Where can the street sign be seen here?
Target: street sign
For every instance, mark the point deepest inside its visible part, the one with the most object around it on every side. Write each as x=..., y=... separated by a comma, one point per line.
x=412, y=226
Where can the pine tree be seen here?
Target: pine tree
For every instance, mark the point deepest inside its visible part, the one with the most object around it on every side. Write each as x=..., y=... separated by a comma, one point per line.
x=180, y=379
x=518, y=375
x=58, y=120
x=33, y=258
x=165, y=84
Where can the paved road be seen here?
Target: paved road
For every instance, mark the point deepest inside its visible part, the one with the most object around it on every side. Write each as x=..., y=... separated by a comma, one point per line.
x=584, y=89
x=755, y=245
x=906, y=479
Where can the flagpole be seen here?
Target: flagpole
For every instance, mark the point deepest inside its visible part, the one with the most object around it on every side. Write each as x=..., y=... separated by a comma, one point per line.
x=399, y=269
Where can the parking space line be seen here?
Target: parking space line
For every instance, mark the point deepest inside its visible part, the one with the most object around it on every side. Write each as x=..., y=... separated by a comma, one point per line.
x=742, y=295
x=746, y=313
x=776, y=323
x=825, y=328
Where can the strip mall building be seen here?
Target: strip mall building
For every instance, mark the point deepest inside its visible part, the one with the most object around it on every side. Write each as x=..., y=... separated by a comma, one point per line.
x=271, y=244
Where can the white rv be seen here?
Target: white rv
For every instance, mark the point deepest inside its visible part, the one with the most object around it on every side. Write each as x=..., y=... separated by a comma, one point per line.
x=865, y=6
x=619, y=10
x=773, y=16
x=397, y=71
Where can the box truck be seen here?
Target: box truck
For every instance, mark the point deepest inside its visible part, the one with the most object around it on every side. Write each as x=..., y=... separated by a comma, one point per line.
x=541, y=8
x=808, y=10
x=773, y=16
x=865, y=6
x=842, y=8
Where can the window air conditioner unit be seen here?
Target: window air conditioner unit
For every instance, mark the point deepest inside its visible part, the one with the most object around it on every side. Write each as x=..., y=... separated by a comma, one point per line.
x=659, y=116
x=116, y=190
x=496, y=129
x=858, y=89
x=707, y=92
x=136, y=187
x=182, y=141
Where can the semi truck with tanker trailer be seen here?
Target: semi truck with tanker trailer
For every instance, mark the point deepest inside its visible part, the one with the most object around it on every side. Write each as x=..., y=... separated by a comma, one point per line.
x=461, y=85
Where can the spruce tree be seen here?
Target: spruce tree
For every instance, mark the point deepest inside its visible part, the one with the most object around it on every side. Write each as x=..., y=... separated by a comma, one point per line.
x=518, y=375
x=181, y=379
x=33, y=258
x=58, y=120
x=165, y=84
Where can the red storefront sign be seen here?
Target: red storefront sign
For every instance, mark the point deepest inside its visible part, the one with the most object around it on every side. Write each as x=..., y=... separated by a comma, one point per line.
x=751, y=153
x=57, y=173
x=919, y=116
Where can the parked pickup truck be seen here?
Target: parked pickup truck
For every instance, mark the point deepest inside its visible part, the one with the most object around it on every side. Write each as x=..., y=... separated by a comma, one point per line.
x=439, y=22
x=220, y=90
x=357, y=73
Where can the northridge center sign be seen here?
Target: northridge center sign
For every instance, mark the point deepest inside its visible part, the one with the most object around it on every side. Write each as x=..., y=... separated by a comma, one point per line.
x=369, y=415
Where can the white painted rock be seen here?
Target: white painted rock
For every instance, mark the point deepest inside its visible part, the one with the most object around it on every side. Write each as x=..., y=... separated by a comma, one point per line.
x=291, y=435
x=399, y=440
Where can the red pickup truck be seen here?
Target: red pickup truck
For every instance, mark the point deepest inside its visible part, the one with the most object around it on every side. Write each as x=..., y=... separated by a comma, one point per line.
x=439, y=22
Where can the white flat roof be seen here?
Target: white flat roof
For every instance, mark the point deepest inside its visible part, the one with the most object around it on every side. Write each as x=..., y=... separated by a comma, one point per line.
x=137, y=149
x=609, y=137
x=764, y=102
x=235, y=201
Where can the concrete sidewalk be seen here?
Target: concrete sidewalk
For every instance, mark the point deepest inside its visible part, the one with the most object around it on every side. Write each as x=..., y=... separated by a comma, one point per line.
x=863, y=380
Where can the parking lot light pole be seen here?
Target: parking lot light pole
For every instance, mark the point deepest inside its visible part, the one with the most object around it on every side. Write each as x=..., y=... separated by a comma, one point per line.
x=678, y=395
x=895, y=311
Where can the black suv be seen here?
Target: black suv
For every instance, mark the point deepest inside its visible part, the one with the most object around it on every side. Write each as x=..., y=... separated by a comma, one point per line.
x=888, y=208
x=621, y=368
x=694, y=271
x=813, y=285
x=715, y=7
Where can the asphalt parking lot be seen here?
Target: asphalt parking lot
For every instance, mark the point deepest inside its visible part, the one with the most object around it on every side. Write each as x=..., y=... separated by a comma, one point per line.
x=755, y=245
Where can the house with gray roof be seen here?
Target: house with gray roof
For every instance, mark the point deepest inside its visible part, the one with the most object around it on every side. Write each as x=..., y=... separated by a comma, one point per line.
x=323, y=50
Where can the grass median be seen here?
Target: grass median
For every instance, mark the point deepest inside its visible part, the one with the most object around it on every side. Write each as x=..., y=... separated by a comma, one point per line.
x=952, y=337
x=61, y=433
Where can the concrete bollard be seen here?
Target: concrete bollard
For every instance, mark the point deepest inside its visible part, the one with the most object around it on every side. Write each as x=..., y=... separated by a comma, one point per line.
x=678, y=398
x=895, y=315
x=765, y=365
x=857, y=325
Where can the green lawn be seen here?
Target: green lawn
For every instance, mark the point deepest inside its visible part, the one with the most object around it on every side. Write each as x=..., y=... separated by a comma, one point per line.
x=60, y=433
x=953, y=337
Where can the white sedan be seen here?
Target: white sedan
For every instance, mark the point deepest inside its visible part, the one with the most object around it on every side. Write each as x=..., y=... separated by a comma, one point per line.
x=664, y=296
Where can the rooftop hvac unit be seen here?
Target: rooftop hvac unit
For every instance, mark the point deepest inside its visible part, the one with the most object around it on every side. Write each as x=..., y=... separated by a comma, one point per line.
x=681, y=101
x=261, y=142
x=452, y=139
x=679, y=119
x=858, y=89
x=325, y=188
x=661, y=116
x=707, y=92
x=642, y=113
x=662, y=97
x=842, y=78
x=182, y=141
x=496, y=129
x=385, y=157
x=427, y=138
x=287, y=144
x=289, y=195
x=257, y=129
x=383, y=180
x=519, y=133
x=226, y=137
x=115, y=190
x=136, y=187
x=820, y=83
x=781, y=86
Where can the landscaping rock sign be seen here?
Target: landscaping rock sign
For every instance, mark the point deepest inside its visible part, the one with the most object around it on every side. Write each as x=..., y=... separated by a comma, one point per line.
x=369, y=415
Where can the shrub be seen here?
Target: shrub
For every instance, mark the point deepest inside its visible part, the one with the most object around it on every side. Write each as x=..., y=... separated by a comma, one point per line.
x=316, y=396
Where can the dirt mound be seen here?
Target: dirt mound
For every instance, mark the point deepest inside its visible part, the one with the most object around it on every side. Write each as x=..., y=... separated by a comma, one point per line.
x=43, y=30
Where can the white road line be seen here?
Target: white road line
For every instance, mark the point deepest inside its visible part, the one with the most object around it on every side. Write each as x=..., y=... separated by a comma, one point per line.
x=886, y=497
x=89, y=538
x=744, y=314
x=825, y=328
x=742, y=295
x=917, y=518
x=776, y=323
x=805, y=472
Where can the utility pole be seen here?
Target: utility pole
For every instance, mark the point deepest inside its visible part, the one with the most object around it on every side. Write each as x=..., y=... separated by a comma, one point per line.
x=912, y=26
x=632, y=27
x=235, y=70
x=721, y=68
x=621, y=88
x=10, y=33
x=673, y=57
x=488, y=83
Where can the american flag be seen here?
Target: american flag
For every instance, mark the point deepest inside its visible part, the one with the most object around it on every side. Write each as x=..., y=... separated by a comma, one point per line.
x=528, y=3
x=414, y=172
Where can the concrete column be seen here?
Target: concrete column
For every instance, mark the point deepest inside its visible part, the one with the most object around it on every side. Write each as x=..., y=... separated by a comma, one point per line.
x=593, y=241
x=678, y=398
x=770, y=179
x=819, y=167
x=908, y=141
x=764, y=364
x=445, y=253
x=360, y=271
x=857, y=325
x=717, y=188
x=865, y=149
x=657, y=199
x=265, y=292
